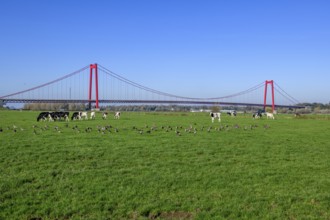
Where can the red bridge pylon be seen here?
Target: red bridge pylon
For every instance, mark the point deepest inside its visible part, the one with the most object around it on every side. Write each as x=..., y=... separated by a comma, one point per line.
x=271, y=82
x=91, y=68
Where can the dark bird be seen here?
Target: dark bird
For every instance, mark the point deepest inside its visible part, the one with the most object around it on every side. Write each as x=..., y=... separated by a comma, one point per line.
x=266, y=126
x=236, y=126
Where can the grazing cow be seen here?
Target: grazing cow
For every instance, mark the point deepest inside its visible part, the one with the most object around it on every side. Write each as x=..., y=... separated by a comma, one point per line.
x=104, y=115
x=92, y=115
x=66, y=116
x=117, y=115
x=215, y=115
x=257, y=115
x=63, y=115
x=232, y=113
x=51, y=116
x=83, y=115
x=43, y=116
x=58, y=116
x=76, y=116
x=270, y=115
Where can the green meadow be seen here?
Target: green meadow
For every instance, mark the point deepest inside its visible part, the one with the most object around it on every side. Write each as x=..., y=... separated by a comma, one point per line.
x=164, y=166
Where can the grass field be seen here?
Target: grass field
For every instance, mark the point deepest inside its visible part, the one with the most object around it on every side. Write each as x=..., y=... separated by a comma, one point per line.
x=164, y=166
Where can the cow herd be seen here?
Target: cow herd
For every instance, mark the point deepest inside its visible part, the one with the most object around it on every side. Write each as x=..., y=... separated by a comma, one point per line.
x=64, y=116
x=256, y=115
x=53, y=116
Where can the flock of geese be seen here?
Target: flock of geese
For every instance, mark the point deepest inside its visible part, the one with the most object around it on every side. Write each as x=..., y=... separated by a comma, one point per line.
x=146, y=129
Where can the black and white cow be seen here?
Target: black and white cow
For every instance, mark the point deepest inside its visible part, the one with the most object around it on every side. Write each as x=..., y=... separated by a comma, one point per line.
x=80, y=116
x=256, y=115
x=215, y=115
x=104, y=115
x=76, y=116
x=232, y=113
x=58, y=116
x=117, y=115
x=43, y=116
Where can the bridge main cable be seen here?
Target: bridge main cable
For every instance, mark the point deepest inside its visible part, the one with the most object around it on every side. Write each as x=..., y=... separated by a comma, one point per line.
x=119, y=77
x=46, y=84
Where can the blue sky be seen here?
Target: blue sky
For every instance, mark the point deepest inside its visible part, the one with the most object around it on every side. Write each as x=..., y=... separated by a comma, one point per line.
x=185, y=47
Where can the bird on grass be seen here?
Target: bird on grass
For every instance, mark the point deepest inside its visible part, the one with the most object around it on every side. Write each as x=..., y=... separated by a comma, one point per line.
x=266, y=127
x=236, y=126
x=75, y=128
x=88, y=129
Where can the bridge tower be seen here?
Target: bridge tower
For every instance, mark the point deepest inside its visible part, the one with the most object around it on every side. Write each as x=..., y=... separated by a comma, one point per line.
x=91, y=68
x=271, y=82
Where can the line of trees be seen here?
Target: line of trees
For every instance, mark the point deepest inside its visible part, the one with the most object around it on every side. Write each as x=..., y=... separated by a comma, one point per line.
x=54, y=107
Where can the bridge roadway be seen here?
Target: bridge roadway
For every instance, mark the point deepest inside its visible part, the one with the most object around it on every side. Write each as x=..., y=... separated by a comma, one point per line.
x=128, y=101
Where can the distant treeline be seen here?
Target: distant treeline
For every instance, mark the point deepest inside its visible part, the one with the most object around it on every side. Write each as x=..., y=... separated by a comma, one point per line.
x=82, y=107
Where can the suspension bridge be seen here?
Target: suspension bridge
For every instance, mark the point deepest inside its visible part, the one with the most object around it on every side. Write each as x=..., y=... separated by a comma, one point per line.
x=95, y=85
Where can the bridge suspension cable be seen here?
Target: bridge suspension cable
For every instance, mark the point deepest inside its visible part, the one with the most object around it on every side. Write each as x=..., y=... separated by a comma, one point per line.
x=119, y=77
x=46, y=84
x=286, y=95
